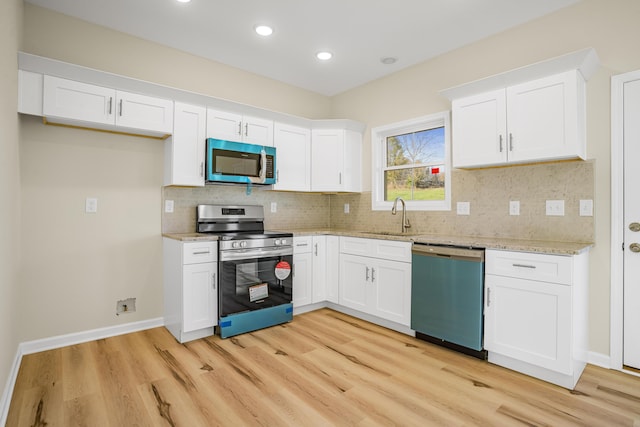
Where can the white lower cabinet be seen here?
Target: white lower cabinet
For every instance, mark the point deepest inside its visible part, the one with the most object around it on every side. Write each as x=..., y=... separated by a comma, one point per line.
x=536, y=314
x=302, y=271
x=190, y=288
x=310, y=270
x=375, y=278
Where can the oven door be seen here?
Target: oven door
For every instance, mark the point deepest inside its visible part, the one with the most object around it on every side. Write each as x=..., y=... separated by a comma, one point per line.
x=252, y=279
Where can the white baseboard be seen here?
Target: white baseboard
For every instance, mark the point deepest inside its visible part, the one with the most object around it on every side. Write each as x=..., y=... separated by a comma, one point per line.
x=599, y=359
x=51, y=343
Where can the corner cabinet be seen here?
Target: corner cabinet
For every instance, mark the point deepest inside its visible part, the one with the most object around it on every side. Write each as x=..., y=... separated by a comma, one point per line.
x=539, y=120
x=336, y=160
x=185, y=149
x=375, y=278
x=312, y=271
x=80, y=104
x=190, y=288
x=536, y=314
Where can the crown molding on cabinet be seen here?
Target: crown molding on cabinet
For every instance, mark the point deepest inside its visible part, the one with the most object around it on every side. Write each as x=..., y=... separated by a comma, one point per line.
x=586, y=61
x=53, y=67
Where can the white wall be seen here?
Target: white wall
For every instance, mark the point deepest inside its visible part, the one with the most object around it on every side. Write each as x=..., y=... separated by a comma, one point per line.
x=609, y=26
x=10, y=29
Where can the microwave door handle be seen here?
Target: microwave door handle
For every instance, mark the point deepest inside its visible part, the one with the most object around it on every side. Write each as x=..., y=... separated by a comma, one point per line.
x=262, y=176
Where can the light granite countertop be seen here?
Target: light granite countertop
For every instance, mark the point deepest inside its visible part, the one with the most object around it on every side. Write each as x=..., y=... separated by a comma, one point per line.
x=501, y=243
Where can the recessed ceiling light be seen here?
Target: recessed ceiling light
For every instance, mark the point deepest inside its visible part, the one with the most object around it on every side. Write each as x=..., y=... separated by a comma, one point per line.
x=324, y=56
x=388, y=60
x=183, y=1
x=263, y=30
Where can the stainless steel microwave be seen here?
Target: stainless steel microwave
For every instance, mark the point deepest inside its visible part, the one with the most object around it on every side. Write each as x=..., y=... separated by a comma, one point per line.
x=229, y=161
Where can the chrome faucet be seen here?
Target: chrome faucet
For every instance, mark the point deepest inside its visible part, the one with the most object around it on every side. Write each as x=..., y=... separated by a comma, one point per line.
x=405, y=220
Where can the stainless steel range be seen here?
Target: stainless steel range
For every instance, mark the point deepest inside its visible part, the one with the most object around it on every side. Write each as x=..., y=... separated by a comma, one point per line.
x=254, y=268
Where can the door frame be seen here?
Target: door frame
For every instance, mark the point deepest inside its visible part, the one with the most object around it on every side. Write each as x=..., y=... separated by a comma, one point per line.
x=617, y=218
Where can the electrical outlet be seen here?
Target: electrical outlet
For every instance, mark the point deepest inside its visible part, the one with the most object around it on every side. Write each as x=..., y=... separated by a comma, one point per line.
x=346, y=208
x=463, y=208
x=514, y=207
x=274, y=207
x=555, y=207
x=91, y=205
x=586, y=207
x=168, y=206
x=125, y=306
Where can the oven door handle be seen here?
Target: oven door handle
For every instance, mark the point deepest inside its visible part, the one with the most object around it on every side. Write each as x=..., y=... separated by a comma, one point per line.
x=252, y=253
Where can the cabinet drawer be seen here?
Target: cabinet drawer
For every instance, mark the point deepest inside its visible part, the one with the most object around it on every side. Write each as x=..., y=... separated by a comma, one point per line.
x=197, y=252
x=302, y=245
x=524, y=265
x=376, y=248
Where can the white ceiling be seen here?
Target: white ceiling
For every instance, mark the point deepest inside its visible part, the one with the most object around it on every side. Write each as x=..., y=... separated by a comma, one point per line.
x=358, y=32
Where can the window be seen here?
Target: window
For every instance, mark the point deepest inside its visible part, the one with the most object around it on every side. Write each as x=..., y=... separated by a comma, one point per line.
x=411, y=160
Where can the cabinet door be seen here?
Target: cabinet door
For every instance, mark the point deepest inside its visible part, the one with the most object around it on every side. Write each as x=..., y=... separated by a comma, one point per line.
x=293, y=162
x=184, y=151
x=355, y=278
x=68, y=99
x=200, y=296
x=257, y=131
x=542, y=118
x=327, y=160
x=302, y=279
x=529, y=321
x=391, y=297
x=319, y=269
x=352, y=170
x=479, y=129
x=224, y=125
x=143, y=112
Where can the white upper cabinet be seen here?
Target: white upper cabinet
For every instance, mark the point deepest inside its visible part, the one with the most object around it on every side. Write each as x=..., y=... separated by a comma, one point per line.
x=539, y=120
x=236, y=127
x=81, y=104
x=185, y=149
x=336, y=160
x=293, y=162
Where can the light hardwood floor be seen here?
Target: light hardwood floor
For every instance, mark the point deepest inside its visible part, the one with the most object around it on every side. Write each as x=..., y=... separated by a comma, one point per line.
x=324, y=368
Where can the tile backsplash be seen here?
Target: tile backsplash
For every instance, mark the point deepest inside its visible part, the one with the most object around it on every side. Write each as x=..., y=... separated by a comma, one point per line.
x=488, y=192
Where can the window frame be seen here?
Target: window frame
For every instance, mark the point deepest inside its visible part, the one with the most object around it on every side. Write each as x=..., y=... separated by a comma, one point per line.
x=379, y=154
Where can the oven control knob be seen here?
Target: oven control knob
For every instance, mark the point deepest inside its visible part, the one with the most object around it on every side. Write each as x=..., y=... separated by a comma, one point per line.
x=283, y=241
x=276, y=242
x=243, y=244
x=235, y=245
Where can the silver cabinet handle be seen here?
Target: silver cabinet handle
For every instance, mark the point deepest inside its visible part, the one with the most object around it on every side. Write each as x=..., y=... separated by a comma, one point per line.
x=524, y=265
x=121, y=108
x=201, y=168
x=367, y=274
x=634, y=226
x=239, y=128
x=214, y=281
x=635, y=247
x=110, y=104
x=510, y=141
x=316, y=249
x=340, y=178
x=373, y=274
x=246, y=129
x=201, y=252
x=500, y=140
x=488, y=297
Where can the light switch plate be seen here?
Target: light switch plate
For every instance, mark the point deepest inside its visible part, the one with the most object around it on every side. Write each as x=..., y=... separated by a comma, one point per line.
x=168, y=206
x=463, y=208
x=555, y=207
x=91, y=205
x=586, y=207
x=274, y=207
x=514, y=207
x=346, y=208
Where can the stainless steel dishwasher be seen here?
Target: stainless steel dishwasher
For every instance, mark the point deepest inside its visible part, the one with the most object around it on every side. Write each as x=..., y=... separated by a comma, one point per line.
x=447, y=290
